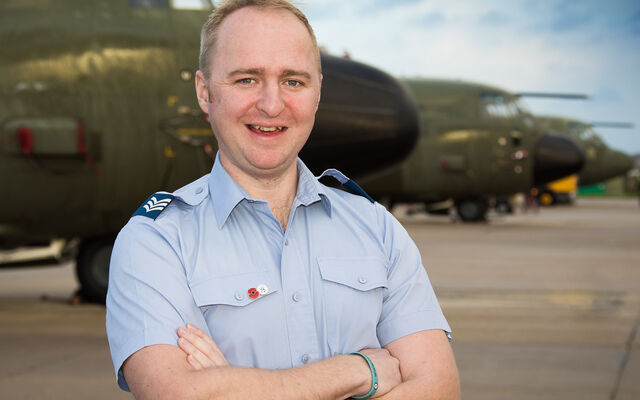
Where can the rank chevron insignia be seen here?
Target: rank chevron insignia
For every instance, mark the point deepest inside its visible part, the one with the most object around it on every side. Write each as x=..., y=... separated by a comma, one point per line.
x=154, y=205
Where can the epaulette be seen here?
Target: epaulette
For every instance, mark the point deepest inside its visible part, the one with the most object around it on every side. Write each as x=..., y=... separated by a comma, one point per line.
x=350, y=185
x=154, y=205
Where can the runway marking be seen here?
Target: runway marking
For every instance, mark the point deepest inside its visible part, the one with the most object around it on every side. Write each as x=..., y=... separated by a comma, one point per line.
x=516, y=298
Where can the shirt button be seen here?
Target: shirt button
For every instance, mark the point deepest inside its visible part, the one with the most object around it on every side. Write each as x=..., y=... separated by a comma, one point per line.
x=239, y=296
x=199, y=190
x=286, y=242
x=296, y=297
x=362, y=280
x=305, y=358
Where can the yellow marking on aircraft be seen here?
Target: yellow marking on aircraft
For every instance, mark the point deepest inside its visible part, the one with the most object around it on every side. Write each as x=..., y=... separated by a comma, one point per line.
x=169, y=153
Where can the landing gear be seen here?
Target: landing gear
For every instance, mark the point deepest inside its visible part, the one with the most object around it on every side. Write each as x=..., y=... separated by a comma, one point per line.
x=503, y=205
x=472, y=210
x=546, y=198
x=92, y=268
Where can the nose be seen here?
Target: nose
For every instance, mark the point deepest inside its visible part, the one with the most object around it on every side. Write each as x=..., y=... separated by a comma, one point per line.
x=556, y=157
x=270, y=101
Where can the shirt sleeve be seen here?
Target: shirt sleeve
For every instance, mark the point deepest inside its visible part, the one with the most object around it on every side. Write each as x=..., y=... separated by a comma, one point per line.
x=410, y=304
x=148, y=296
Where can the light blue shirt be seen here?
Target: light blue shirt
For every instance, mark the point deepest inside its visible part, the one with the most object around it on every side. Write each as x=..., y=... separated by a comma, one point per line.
x=344, y=276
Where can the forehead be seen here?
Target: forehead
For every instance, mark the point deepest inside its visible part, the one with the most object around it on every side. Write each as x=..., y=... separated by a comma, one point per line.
x=252, y=37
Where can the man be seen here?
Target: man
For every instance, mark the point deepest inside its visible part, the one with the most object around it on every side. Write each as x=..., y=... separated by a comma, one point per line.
x=266, y=279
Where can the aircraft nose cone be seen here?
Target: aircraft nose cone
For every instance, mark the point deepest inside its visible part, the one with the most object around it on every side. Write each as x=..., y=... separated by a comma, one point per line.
x=556, y=157
x=366, y=121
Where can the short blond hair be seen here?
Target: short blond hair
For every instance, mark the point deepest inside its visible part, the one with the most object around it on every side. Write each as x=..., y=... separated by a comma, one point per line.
x=211, y=27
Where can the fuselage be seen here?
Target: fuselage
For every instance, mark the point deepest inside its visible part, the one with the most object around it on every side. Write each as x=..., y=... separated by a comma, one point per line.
x=98, y=110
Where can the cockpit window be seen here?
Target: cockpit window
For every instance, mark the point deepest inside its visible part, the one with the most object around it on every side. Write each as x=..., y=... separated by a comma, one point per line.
x=175, y=4
x=521, y=107
x=584, y=132
x=499, y=105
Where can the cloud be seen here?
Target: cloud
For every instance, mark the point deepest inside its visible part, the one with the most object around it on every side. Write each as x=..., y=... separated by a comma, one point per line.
x=493, y=18
x=558, y=45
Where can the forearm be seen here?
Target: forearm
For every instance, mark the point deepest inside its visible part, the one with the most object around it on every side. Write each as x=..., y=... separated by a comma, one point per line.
x=337, y=377
x=424, y=389
x=427, y=366
x=333, y=378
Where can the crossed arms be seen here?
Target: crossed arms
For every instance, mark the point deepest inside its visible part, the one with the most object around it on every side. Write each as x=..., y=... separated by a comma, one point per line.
x=416, y=366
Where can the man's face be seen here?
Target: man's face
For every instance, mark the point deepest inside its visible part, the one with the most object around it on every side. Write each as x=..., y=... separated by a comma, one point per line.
x=263, y=90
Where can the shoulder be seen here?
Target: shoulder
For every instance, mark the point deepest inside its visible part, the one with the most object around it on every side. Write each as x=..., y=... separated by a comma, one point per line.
x=352, y=202
x=165, y=204
x=165, y=216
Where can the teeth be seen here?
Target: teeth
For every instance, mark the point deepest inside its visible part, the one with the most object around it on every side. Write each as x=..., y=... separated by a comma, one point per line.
x=267, y=128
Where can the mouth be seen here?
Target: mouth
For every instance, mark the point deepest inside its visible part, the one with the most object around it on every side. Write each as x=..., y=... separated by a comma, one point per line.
x=266, y=130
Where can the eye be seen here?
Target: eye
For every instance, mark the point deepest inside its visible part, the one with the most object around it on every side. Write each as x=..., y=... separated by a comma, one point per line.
x=293, y=83
x=246, y=81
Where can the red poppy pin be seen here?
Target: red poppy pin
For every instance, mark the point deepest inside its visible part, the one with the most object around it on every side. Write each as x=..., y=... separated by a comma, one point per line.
x=253, y=293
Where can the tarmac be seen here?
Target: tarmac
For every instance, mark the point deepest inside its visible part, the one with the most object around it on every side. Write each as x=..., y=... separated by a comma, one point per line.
x=542, y=305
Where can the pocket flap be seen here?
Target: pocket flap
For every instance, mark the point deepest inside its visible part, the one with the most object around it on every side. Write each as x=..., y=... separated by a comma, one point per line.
x=358, y=273
x=233, y=290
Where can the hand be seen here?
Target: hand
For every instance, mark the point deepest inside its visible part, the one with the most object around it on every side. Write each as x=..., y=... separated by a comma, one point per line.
x=387, y=367
x=202, y=352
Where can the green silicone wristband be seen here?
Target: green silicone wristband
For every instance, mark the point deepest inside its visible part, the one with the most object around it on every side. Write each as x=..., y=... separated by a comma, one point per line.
x=374, y=377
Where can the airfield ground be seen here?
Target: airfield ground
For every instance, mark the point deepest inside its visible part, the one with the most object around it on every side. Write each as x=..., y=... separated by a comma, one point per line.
x=543, y=306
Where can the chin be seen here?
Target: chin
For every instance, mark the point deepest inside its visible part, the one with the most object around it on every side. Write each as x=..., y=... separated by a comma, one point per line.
x=267, y=163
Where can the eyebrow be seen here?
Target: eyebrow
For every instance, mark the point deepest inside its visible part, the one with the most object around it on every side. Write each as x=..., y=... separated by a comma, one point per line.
x=250, y=71
x=291, y=72
x=259, y=71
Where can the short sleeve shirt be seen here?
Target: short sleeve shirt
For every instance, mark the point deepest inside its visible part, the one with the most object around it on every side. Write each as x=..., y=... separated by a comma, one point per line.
x=344, y=276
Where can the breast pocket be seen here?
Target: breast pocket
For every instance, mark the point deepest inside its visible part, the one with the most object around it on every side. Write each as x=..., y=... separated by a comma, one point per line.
x=238, y=317
x=354, y=290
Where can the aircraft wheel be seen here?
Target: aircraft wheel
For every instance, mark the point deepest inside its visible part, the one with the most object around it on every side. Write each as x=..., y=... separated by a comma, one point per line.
x=92, y=268
x=472, y=210
x=504, y=206
x=546, y=198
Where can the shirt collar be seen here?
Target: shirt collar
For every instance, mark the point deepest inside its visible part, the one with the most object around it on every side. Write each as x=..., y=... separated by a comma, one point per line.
x=310, y=190
x=226, y=193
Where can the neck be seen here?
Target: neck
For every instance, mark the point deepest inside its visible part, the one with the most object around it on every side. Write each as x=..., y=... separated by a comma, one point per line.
x=277, y=189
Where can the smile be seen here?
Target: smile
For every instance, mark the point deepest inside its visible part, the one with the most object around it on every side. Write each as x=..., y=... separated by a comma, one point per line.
x=267, y=129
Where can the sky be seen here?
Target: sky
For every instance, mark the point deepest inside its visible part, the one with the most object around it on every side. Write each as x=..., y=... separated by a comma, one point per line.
x=588, y=46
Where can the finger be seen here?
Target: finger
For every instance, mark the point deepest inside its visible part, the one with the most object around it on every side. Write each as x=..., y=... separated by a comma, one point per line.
x=195, y=340
x=195, y=364
x=212, y=344
x=197, y=330
x=198, y=359
x=206, y=353
x=189, y=349
x=199, y=333
x=186, y=346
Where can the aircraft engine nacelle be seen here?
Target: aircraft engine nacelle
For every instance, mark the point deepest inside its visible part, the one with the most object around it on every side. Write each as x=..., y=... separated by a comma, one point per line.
x=366, y=121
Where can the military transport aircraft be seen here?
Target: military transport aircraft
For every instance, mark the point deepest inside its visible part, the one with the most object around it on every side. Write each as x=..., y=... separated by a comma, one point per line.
x=98, y=110
x=602, y=162
x=475, y=142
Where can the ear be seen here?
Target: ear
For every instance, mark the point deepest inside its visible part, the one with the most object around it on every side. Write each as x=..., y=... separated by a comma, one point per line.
x=202, y=91
x=319, y=93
